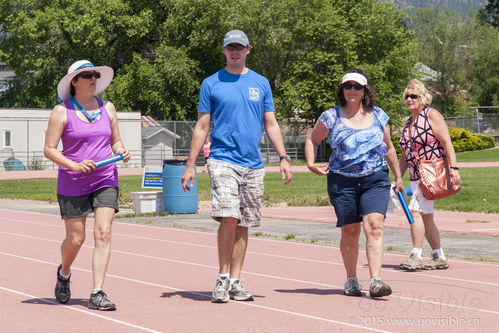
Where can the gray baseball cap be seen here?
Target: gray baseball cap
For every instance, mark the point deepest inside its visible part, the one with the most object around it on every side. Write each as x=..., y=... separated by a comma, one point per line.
x=236, y=36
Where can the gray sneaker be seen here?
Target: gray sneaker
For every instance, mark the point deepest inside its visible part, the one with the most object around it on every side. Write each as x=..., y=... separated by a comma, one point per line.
x=412, y=263
x=238, y=293
x=99, y=301
x=221, y=292
x=352, y=288
x=62, y=291
x=379, y=289
x=436, y=263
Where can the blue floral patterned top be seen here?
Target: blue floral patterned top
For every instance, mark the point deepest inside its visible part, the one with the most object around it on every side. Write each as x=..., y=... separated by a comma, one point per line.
x=356, y=152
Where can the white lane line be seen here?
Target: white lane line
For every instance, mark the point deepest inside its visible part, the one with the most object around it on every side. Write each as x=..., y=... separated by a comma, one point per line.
x=256, y=253
x=298, y=314
x=68, y=307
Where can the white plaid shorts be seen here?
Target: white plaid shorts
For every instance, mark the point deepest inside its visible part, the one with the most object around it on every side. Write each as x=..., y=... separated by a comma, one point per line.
x=236, y=192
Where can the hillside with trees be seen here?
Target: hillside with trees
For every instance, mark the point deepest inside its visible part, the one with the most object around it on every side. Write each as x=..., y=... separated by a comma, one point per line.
x=463, y=7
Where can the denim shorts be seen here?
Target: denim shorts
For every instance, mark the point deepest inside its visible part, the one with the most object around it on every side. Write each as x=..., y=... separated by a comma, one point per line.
x=353, y=198
x=236, y=192
x=82, y=205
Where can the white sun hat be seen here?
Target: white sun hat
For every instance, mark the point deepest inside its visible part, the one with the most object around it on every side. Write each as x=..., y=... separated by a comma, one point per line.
x=64, y=86
x=357, y=77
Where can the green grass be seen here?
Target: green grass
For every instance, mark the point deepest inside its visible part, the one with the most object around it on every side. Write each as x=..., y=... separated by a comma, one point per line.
x=479, y=191
x=489, y=155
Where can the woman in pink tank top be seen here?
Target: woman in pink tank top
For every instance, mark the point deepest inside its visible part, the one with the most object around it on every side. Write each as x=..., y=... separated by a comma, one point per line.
x=426, y=132
x=88, y=129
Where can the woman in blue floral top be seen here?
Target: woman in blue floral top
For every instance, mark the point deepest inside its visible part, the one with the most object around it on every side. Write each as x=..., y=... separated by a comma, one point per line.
x=357, y=174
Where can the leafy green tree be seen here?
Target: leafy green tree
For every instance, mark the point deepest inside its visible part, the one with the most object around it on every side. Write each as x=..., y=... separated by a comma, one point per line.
x=161, y=50
x=304, y=47
x=165, y=89
x=447, y=44
x=40, y=39
x=485, y=80
x=385, y=48
x=490, y=14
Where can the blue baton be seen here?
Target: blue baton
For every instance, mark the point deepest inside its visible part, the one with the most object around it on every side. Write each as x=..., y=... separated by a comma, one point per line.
x=110, y=160
x=404, y=206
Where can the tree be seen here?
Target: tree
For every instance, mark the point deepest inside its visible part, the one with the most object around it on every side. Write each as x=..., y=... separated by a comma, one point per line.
x=485, y=64
x=447, y=43
x=465, y=53
x=490, y=14
x=165, y=89
x=304, y=47
x=161, y=50
x=40, y=39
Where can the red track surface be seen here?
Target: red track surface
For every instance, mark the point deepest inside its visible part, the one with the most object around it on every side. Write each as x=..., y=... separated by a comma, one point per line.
x=161, y=280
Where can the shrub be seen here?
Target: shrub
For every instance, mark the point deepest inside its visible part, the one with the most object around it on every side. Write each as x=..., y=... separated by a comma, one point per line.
x=395, y=141
x=462, y=140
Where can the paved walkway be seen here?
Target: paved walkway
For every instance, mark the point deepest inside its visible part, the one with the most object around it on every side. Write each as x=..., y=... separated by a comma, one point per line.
x=448, y=222
x=313, y=224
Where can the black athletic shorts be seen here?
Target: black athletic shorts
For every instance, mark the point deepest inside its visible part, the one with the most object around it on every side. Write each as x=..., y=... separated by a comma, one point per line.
x=78, y=206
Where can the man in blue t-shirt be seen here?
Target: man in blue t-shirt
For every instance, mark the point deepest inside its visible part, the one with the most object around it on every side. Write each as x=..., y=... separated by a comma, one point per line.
x=239, y=101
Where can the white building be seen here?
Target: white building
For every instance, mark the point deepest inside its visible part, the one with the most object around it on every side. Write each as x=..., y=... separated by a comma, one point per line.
x=158, y=144
x=22, y=136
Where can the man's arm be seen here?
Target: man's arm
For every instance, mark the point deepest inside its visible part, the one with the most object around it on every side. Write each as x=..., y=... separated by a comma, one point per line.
x=198, y=138
x=274, y=134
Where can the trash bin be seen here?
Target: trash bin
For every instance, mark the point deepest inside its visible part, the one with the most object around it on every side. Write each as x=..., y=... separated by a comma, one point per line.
x=175, y=200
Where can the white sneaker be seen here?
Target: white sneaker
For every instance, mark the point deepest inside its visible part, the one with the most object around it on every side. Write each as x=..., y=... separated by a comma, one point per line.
x=238, y=293
x=221, y=292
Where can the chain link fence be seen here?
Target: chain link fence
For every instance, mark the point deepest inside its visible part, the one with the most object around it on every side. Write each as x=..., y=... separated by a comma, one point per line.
x=294, y=136
x=483, y=123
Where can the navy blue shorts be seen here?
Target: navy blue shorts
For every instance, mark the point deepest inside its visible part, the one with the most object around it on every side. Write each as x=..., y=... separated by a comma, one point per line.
x=353, y=198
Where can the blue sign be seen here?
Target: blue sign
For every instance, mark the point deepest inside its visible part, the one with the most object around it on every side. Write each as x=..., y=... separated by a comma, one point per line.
x=152, y=177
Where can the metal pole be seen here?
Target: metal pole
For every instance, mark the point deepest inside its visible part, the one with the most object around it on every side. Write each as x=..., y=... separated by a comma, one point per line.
x=477, y=121
x=27, y=144
x=175, y=138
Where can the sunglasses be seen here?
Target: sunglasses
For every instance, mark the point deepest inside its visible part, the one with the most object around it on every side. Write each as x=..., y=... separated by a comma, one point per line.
x=238, y=47
x=411, y=96
x=349, y=86
x=89, y=75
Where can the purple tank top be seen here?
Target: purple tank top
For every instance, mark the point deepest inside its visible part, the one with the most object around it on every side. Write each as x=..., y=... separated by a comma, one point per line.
x=82, y=140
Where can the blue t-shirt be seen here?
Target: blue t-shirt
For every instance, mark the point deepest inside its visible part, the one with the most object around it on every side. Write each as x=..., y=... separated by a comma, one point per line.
x=237, y=104
x=356, y=152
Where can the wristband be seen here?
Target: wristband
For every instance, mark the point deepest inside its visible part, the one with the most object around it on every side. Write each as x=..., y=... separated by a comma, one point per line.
x=454, y=168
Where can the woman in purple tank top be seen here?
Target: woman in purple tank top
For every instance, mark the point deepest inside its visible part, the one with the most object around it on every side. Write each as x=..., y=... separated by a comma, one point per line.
x=88, y=129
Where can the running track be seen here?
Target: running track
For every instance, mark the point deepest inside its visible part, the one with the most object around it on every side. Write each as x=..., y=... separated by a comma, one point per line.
x=161, y=280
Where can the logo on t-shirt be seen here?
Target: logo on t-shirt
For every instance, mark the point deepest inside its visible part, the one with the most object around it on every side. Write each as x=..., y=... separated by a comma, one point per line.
x=254, y=94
